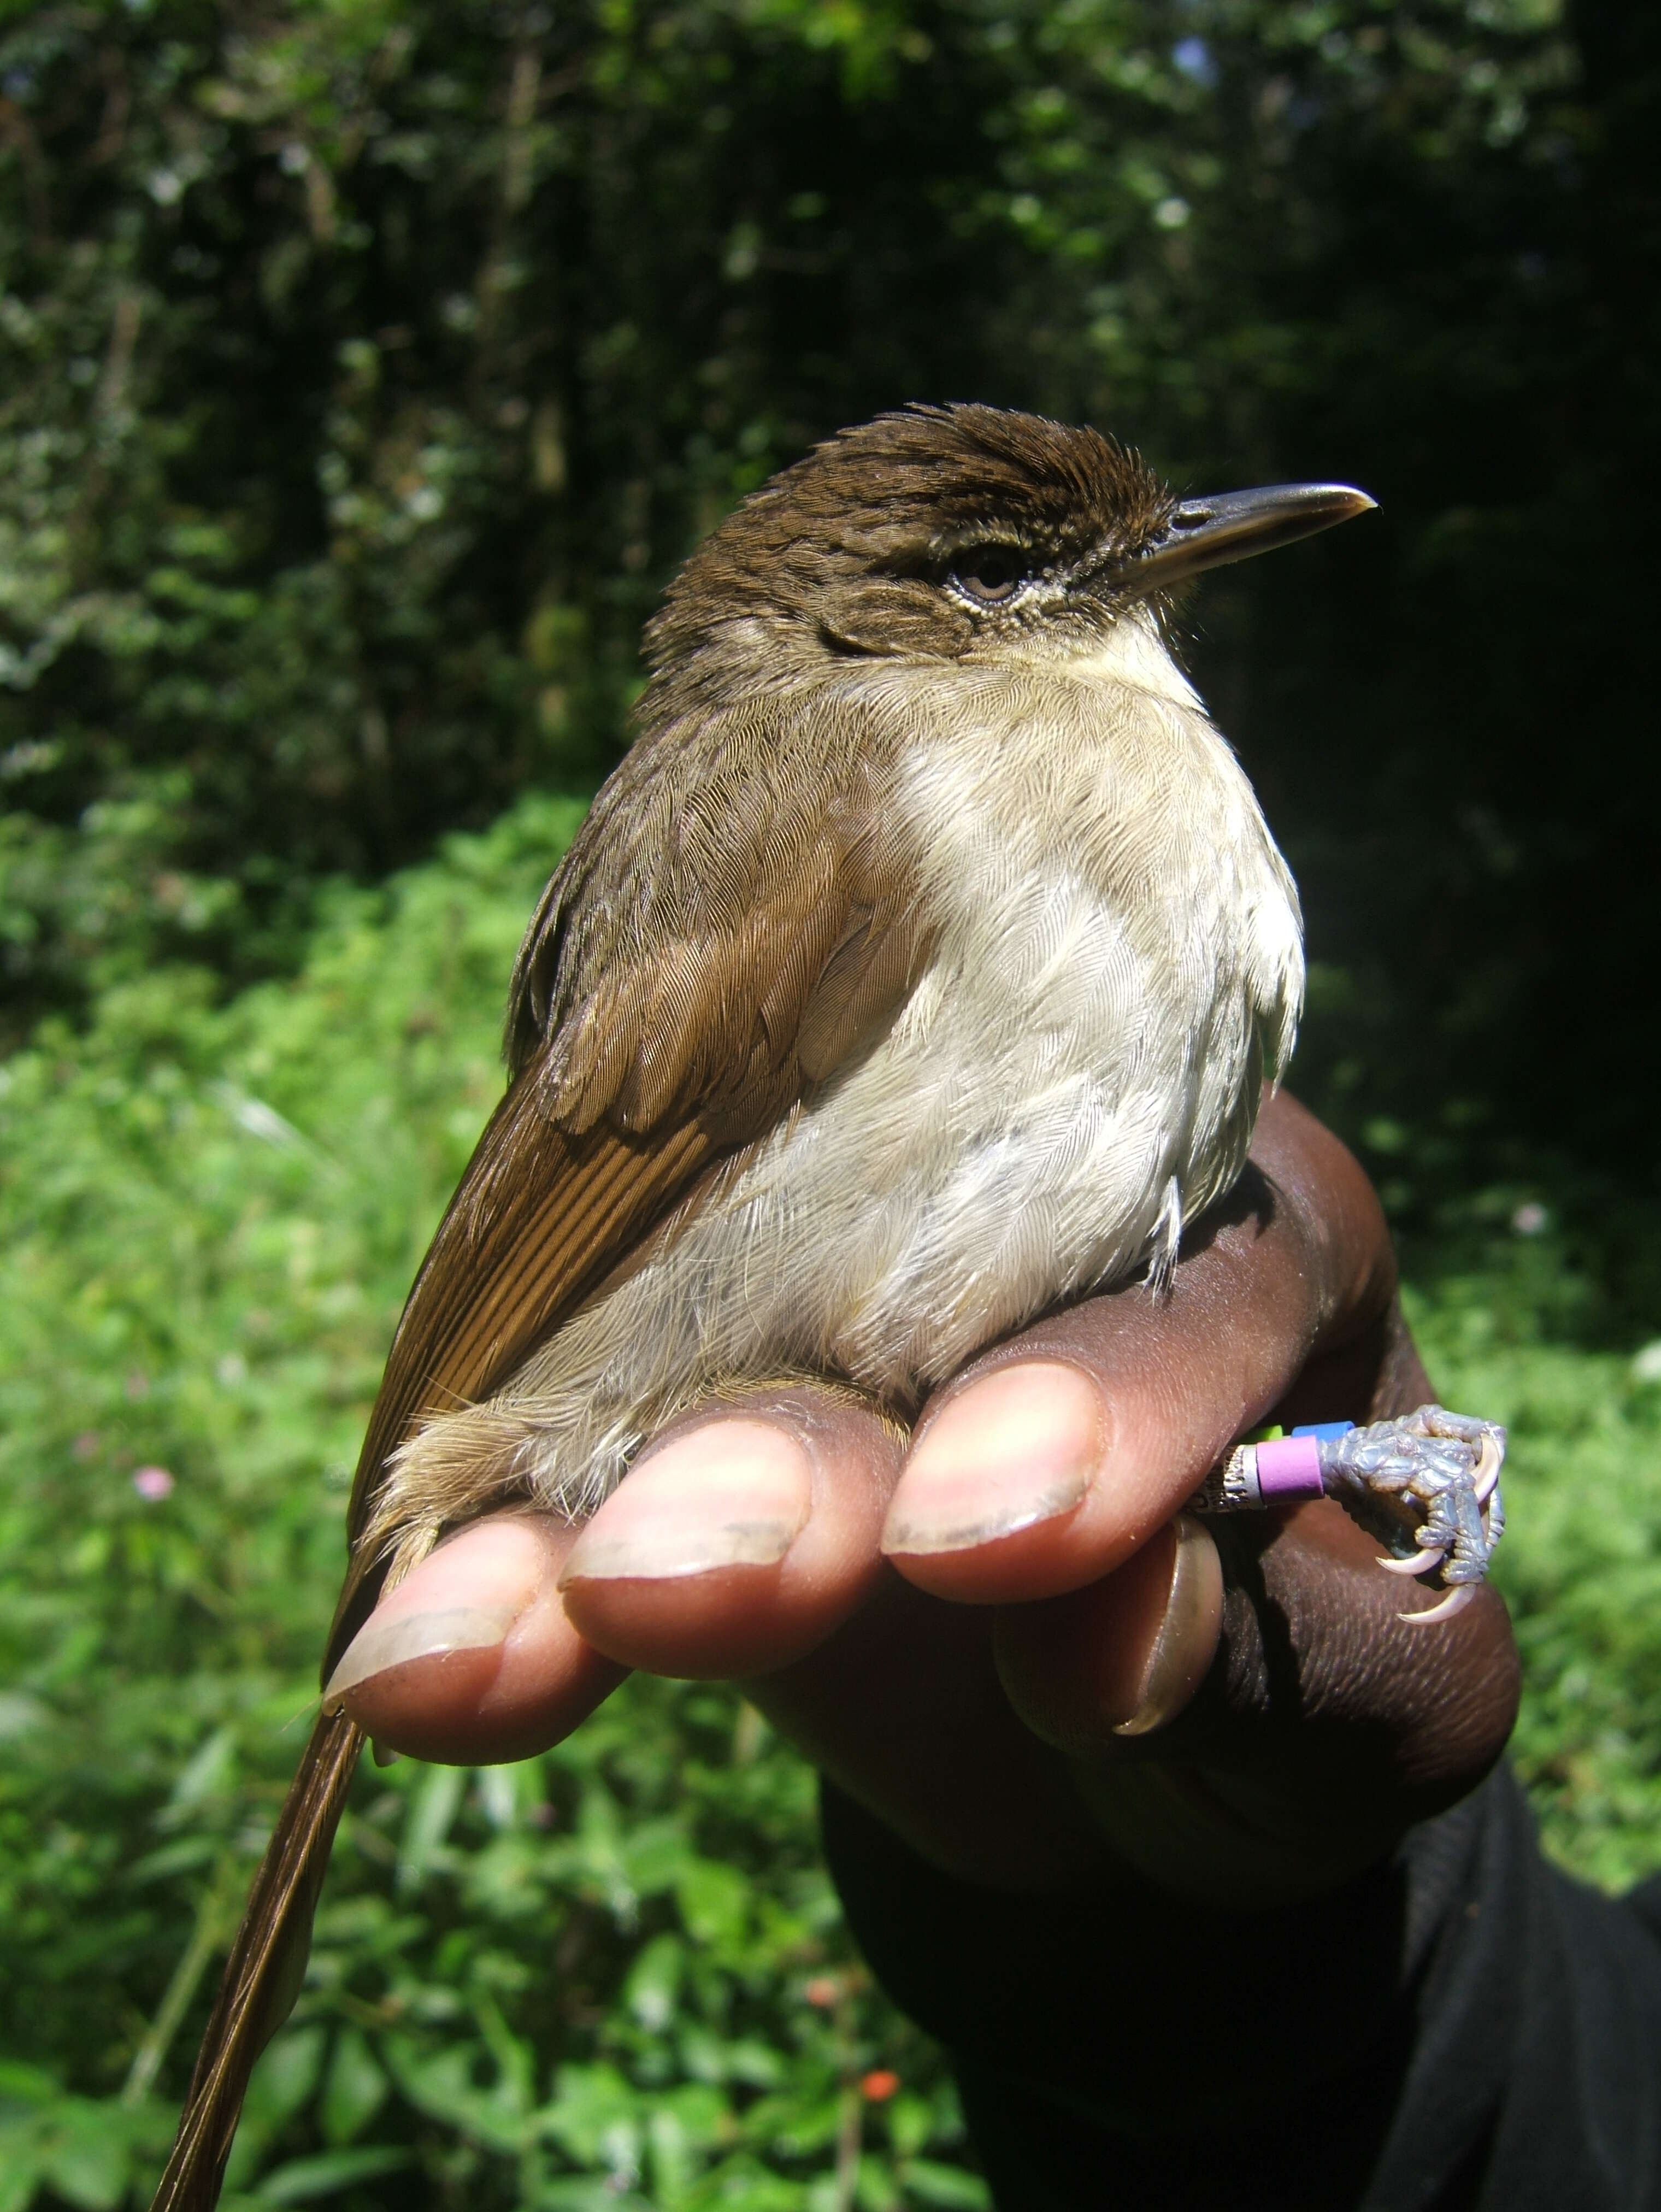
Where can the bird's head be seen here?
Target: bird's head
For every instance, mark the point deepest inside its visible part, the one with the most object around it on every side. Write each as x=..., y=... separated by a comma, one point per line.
x=946, y=534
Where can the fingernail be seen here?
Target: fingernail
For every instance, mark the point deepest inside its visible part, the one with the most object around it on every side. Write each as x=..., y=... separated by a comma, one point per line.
x=1187, y=1640
x=732, y=1494
x=1019, y=1448
x=379, y=1645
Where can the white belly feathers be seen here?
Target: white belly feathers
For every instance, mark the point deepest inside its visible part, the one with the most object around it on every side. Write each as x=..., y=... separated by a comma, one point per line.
x=1064, y=1085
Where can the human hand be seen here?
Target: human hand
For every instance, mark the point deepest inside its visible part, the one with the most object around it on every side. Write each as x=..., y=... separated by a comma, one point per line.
x=996, y=1634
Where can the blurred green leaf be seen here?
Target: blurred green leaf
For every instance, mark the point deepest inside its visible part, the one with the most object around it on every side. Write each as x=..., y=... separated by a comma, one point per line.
x=304, y=2180
x=947, y=2185
x=356, y=2089
x=714, y=1901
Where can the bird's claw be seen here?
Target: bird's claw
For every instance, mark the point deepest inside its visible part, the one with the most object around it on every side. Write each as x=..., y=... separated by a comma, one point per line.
x=1430, y=1484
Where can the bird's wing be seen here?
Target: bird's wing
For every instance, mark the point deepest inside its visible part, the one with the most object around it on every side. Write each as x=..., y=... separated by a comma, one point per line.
x=716, y=942
x=710, y=928
x=705, y=954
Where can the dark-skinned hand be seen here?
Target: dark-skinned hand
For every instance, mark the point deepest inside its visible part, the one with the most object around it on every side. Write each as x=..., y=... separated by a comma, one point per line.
x=1000, y=1634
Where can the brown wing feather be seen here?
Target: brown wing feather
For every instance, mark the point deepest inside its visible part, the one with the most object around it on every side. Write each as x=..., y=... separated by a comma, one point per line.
x=539, y=1218
x=669, y=964
x=714, y=944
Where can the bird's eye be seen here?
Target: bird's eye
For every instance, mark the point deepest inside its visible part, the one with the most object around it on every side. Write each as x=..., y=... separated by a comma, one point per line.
x=989, y=573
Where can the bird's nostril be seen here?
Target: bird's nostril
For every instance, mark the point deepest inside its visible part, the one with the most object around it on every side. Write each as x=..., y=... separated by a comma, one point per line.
x=1189, y=518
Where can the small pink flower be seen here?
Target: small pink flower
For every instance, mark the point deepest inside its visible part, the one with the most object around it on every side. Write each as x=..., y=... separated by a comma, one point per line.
x=879, y=2085
x=822, y=1990
x=152, y=1484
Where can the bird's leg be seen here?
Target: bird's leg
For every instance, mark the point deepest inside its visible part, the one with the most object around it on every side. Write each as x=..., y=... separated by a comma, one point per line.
x=1427, y=1485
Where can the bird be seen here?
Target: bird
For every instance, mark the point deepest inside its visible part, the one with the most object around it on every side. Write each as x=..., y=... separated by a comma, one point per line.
x=922, y=965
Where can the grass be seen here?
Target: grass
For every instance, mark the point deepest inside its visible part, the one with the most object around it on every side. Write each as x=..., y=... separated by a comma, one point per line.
x=613, y=1976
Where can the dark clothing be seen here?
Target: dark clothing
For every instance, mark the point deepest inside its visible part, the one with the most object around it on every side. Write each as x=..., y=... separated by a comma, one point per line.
x=1463, y=2026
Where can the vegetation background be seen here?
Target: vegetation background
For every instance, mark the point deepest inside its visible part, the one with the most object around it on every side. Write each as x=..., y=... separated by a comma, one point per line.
x=367, y=364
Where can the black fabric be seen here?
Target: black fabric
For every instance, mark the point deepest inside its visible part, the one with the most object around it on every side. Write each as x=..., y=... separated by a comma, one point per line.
x=1463, y=2027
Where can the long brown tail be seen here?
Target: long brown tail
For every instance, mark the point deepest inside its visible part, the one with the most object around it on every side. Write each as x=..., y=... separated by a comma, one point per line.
x=538, y=1218
x=264, y=1970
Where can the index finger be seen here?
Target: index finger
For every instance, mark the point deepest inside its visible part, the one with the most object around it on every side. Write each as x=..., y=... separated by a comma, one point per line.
x=1054, y=1456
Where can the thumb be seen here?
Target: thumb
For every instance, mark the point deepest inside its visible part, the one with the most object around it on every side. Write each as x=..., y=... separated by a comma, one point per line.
x=1252, y=1720
x=1123, y=1657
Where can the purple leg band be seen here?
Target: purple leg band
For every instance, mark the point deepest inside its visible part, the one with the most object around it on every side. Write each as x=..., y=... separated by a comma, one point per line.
x=1289, y=1467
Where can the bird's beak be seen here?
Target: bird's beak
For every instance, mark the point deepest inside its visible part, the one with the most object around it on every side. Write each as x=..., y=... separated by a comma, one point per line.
x=1203, y=533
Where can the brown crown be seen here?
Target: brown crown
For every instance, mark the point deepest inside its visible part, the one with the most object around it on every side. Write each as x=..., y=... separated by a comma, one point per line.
x=899, y=495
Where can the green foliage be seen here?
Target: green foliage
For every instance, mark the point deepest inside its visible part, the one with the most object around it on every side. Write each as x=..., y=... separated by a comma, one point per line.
x=614, y=1974
x=1582, y=1567
x=365, y=367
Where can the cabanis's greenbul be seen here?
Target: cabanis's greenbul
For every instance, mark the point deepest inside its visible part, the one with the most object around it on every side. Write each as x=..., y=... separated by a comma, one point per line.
x=922, y=965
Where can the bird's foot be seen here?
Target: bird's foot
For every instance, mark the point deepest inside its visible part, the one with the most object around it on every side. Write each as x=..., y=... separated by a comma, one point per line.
x=1433, y=1480
x=1427, y=1485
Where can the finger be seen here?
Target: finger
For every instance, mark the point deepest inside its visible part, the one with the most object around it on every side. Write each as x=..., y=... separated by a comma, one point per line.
x=902, y=1708
x=1050, y=1459
x=740, y=1540
x=1124, y=1656
x=472, y=1660
x=1323, y=1728
x=1315, y=1640
x=1319, y=1669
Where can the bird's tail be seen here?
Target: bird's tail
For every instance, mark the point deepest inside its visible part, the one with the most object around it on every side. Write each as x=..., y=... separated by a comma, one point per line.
x=266, y=1969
